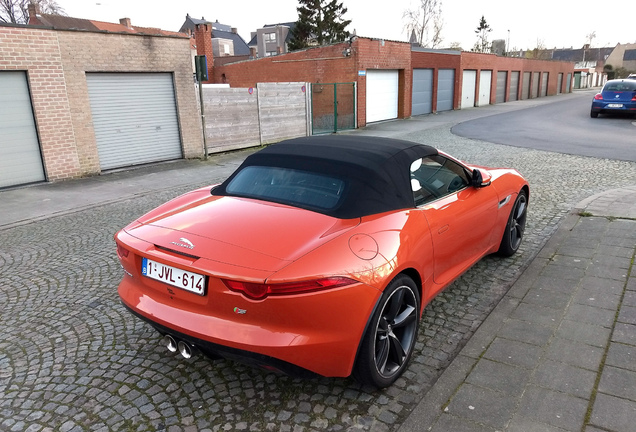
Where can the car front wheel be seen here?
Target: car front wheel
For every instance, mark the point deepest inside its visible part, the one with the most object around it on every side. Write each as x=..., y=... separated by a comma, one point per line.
x=515, y=227
x=388, y=343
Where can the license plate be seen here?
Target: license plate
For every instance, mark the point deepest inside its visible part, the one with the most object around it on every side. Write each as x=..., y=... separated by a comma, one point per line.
x=615, y=105
x=188, y=281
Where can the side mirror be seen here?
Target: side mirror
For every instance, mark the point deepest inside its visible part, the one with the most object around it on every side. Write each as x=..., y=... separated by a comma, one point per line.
x=481, y=178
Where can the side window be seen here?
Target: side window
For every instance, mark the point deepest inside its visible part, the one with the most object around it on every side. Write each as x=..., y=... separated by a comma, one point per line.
x=433, y=177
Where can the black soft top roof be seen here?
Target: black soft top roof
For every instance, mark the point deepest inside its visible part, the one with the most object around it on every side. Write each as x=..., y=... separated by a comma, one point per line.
x=375, y=169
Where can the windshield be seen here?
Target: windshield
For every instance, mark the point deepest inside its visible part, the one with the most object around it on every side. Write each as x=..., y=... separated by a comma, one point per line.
x=288, y=186
x=620, y=86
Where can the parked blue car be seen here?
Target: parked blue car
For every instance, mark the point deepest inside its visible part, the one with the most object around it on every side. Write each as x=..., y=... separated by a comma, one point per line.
x=617, y=96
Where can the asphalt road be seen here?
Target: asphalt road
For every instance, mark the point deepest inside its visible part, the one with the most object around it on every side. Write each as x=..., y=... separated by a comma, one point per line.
x=564, y=127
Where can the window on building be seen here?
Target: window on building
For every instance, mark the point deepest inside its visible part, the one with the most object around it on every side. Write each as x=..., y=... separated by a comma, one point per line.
x=270, y=37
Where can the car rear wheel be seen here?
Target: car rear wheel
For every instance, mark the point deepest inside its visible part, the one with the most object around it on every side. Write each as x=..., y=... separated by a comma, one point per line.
x=593, y=114
x=515, y=227
x=390, y=337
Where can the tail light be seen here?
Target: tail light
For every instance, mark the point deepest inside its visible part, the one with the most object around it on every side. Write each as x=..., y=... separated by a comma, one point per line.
x=258, y=291
x=598, y=96
x=634, y=98
x=122, y=252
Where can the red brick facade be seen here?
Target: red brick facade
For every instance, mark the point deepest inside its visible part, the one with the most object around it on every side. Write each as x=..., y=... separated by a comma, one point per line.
x=490, y=62
x=329, y=65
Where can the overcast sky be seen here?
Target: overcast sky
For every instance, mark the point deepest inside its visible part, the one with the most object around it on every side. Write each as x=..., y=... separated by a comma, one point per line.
x=554, y=23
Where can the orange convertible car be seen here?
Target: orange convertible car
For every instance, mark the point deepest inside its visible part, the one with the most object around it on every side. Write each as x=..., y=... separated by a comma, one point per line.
x=318, y=254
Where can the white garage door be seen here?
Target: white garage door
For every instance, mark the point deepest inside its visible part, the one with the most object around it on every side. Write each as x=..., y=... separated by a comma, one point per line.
x=135, y=118
x=20, y=157
x=382, y=95
x=469, y=83
x=485, y=82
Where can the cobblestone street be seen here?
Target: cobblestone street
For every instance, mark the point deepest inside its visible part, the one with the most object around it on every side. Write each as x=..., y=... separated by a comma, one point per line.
x=73, y=359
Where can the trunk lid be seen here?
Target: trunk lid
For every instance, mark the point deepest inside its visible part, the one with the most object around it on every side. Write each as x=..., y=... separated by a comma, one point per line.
x=239, y=231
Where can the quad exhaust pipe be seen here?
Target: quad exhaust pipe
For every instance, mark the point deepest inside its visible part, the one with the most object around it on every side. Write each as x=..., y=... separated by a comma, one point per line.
x=185, y=349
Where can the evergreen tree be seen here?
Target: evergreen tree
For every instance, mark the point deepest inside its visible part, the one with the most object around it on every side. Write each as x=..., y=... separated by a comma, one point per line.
x=320, y=22
x=482, y=36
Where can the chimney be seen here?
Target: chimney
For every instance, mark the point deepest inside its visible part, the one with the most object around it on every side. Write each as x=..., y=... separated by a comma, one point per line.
x=234, y=30
x=203, y=38
x=125, y=22
x=34, y=9
x=252, y=52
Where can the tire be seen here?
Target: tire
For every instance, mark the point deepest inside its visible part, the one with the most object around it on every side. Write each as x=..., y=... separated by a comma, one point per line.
x=390, y=337
x=513, y=234
x=594, y=114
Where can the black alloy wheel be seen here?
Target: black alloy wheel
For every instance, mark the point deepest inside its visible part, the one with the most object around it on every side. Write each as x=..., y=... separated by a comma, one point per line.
x=515, y=227
x=388, y=344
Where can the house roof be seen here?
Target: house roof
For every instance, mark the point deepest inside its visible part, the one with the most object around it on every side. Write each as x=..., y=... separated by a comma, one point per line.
x=60, y=22
x=219, y=30
x=574, y=55
x=291, y=26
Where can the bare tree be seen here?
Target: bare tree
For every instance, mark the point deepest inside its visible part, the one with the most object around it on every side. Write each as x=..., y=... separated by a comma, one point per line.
x=589, y=38
x=17, y=11
x=425, y=22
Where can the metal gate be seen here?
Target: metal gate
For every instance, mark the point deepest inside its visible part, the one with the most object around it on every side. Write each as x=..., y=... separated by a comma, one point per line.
x=559, y=83
x=333, y=107
x=568, y=84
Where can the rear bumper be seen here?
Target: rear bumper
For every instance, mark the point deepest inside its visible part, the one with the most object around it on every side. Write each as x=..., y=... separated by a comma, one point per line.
x=315, y=333
x=604, y=107
x=213, y=351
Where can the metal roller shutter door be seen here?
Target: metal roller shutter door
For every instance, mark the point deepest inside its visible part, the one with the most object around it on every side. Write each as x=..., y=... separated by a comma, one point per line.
x=525, y=92
x=535, y=85
x=134, y=117
x=514, y=86
x=544, y=84
x=445, y=89
x=382, y=95
x=502, y=78
x=20, y=157
x=422, y=91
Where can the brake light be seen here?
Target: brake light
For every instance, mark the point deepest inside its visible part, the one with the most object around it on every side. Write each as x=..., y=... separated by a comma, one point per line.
x=122, y=252
x=258, y=291
x=598, y=96
x=634, y=98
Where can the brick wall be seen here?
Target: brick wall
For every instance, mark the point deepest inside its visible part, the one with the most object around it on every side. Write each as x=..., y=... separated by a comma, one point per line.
x=328, y=65
x=126, y=53
x=36, y=51
x=482, y=62
x=56, y=63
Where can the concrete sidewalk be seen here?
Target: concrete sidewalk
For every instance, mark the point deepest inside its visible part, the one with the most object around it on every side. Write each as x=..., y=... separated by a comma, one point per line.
x=559, y=351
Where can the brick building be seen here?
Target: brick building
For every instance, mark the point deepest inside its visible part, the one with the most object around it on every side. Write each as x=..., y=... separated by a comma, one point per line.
x=395, y=80
x=77, y=102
